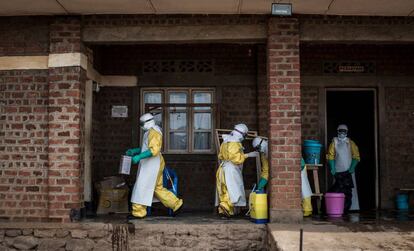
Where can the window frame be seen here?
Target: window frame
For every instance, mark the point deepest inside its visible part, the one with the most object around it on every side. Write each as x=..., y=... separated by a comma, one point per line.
x=190, y=113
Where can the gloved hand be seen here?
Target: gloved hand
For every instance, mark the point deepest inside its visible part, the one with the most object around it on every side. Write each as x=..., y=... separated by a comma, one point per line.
x=133, y=151
x=354, y=163
x=141, y=156
x=252, y=154
x=332, y=166
x=262, y=183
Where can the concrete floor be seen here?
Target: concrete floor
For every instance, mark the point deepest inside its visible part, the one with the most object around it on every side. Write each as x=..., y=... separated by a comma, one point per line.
x=389, y=230
x=182, y=218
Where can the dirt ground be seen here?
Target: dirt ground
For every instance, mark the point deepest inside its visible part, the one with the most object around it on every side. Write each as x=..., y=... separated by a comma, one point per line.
x=373, y=231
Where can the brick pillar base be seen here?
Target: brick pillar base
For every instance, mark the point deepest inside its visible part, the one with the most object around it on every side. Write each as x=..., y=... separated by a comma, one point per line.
x=283, y=76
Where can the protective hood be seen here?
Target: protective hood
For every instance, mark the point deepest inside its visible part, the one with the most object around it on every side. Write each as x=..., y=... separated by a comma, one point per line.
x=234, y=136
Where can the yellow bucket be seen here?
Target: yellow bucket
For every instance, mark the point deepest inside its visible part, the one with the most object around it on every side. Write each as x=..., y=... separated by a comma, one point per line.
x=258, y=207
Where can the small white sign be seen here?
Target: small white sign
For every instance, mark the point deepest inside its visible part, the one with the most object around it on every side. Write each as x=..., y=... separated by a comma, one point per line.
x=119, y=111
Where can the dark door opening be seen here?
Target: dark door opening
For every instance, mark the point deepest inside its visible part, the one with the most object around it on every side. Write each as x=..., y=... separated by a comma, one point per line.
x=356, y=109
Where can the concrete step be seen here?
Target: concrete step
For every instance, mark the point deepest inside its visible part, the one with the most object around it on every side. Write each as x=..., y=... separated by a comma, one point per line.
x=197, y=233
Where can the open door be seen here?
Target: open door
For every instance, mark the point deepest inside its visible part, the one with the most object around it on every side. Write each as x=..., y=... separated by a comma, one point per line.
x=357, y=109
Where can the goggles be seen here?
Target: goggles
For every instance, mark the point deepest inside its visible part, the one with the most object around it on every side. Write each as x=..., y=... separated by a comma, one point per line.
x=342, y=131
x=243, y=134
x=259, y=146
x=142, y=123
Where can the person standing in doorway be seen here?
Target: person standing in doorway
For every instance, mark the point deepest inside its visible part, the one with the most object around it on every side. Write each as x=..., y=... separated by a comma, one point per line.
x=229, y=178
x=150, y=173
x=343, y=157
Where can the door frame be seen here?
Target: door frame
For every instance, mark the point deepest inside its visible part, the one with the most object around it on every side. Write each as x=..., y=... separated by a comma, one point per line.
x=325, y=122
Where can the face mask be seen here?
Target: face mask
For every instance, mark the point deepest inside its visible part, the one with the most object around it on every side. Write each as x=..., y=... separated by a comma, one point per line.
x=146, y=125
x=342, y=135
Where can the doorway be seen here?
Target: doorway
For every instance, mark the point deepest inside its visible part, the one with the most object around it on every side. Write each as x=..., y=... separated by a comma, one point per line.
x=357, y=109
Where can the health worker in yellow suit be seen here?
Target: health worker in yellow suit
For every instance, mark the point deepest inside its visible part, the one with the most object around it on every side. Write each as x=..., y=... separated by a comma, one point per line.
x=229, y=178
x=261, y=145
x=149, y=176
x=343, y=157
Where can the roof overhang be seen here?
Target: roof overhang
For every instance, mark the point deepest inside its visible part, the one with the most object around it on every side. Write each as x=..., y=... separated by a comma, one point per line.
x=88, y=7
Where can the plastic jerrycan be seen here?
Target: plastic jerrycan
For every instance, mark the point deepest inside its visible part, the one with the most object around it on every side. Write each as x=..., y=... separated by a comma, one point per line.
x=258, y=207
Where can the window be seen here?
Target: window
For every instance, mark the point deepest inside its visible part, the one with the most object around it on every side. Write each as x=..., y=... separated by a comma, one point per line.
x=187, y=128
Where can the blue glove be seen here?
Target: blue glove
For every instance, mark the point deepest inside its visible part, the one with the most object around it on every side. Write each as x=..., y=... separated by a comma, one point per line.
x=133, y=151
x=354, y=163
x=262, y=183
x=141, y=156
x=332, y=166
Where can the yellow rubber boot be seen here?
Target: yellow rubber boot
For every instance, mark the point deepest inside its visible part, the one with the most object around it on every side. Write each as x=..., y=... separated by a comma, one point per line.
x=307, y=206
x=138, y=210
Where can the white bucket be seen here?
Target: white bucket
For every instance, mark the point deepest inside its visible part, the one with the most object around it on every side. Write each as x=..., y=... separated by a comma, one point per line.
x=125, y=165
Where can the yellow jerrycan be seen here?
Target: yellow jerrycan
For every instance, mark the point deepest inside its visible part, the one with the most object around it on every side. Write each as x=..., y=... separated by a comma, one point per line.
x=258, y=207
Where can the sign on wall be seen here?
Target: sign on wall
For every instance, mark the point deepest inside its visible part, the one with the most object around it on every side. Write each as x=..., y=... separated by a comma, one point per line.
x=119, y=111
x=348, y=67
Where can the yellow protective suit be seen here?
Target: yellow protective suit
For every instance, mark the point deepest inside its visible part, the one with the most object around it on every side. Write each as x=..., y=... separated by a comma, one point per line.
x=354, y=151
x=265, y=167
x=166, y=197
x=231, y=153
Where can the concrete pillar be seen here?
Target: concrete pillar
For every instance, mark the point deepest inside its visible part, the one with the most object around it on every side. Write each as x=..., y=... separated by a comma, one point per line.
x=67, y=78
x=283, y=75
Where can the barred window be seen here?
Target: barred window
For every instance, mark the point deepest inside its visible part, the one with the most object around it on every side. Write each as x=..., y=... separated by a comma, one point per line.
x=187, y=128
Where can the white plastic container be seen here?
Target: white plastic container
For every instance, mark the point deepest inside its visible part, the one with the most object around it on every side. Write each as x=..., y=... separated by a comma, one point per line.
x=125, y=165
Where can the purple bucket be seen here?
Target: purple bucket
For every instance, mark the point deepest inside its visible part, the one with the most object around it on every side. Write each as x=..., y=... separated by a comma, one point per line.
x=334, y=203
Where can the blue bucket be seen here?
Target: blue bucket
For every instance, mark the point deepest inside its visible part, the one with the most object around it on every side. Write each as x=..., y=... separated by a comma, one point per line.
x=402, y=201
x=312, y=151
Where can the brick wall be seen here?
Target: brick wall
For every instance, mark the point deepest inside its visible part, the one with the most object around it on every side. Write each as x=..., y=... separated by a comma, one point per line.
x=399, y=138
x=23, y=121
x=284, y=119
x=66, y=123
x=111, y=137
x=238, y=106
x=24, y=36
x=23, y=143
x=390, y=60
x=310, y=113
x=262, y=92
x=128, y=59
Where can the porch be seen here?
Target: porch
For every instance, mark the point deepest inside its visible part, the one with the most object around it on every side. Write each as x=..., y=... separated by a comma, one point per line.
x=381, y=230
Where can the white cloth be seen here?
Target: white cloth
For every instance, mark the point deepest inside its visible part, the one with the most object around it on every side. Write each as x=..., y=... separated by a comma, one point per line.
x=234, y=177
x=144, y=187
x=234, y=183
x=355, y=200
x=343, y=160
x=306, y=189
x=343, y=156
